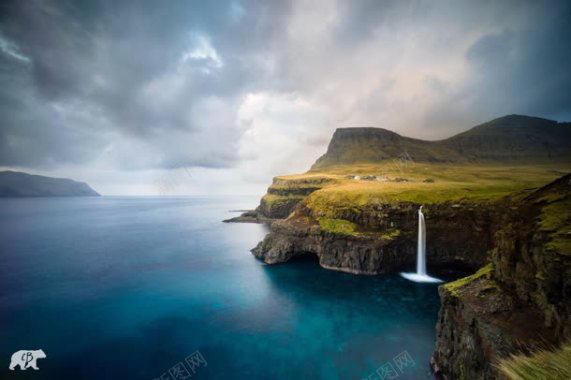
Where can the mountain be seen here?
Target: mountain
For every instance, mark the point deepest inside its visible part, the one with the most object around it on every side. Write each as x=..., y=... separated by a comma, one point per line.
x=512, y=138
x=18, y=184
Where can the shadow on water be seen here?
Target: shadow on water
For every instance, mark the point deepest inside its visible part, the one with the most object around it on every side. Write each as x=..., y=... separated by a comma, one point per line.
x=368, y=319
x=162, y=278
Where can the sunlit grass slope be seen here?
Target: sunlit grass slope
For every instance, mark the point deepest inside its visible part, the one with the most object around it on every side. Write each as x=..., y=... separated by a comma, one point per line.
x=546, y=365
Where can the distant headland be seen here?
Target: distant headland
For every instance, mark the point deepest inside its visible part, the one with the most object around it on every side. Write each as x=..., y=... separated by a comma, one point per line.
x=19, y=184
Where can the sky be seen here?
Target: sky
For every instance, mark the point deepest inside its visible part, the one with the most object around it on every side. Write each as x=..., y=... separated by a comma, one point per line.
x=217, y=97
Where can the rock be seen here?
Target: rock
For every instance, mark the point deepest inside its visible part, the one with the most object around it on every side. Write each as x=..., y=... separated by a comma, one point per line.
x=526, y=300
x=385, y=237
x=251, y=216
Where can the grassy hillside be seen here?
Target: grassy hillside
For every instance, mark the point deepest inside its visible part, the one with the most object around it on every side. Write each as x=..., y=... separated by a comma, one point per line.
x=514, y=138
x=544, y=364
x=509, y=155
x=328, y=192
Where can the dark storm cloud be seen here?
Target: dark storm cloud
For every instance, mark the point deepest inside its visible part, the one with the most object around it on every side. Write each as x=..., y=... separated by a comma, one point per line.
x=527, y=67
x=166, y=84
x=119, y=69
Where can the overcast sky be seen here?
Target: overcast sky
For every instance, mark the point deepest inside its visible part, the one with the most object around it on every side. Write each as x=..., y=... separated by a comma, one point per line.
x=202, y=97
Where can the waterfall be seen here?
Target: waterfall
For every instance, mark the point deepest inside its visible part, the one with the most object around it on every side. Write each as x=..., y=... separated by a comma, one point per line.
x=421, y=249
x=420, y=275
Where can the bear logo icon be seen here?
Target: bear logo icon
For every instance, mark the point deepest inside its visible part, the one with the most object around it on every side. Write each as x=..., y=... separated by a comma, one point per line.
x=26, y=359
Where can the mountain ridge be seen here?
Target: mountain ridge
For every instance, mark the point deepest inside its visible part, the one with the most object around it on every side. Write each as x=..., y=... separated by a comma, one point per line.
x=506, y=139
x=21, y=184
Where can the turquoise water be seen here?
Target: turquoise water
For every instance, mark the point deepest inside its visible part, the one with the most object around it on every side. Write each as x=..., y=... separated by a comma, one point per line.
x=127, y=287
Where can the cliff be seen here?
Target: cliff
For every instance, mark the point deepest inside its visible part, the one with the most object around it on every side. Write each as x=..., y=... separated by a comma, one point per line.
x=18, y=184
x=521, y=300
x=282, y=197
x=503, y=155
x=486, y=206
x=381, y=237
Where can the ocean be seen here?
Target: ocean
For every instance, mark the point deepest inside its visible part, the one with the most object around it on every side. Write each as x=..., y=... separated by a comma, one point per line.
x=159, y=288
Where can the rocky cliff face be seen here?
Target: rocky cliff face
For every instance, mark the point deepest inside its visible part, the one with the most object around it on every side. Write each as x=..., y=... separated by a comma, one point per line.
x=282, y=197
x=524, y=297
x=383, y=237
x=520, y=299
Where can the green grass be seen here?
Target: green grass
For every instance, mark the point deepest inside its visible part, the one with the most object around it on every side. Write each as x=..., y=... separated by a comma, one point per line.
x=274, y=199
x=543, y=364
x=338, y=226
x=454, y=286
x=472, y=182
x=330, y=204
x=274, y=202
x=555, y=219
x=391, y=234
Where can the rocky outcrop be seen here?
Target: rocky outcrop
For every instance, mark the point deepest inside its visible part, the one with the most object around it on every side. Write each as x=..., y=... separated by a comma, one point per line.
x=355, y=254
x=384, y=236
x=525, y=298
x=281, y=198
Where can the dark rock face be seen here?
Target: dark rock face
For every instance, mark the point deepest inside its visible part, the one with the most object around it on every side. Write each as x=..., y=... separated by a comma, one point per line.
x=277, y=209
x=533, y=255
x=458, y=233
x=358, y=255
x=251, y=216
x=281, y=198
x=526, y=301
x=469, y=330
x=17, y=184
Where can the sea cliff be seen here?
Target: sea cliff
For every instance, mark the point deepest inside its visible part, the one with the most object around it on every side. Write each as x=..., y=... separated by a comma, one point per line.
x=487, y=210
x=381, y=238
x=521, y=300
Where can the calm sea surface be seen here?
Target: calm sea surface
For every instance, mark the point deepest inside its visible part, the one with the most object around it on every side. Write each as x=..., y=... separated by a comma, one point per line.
x=130, y=287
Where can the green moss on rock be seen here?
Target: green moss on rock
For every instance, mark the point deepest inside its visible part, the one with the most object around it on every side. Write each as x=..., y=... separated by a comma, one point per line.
x=454, y=286
x=555, y=219
x=391, y=234
x=338, y=226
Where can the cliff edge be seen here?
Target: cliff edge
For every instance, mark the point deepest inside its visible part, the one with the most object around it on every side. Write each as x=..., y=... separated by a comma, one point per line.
x=521, y=300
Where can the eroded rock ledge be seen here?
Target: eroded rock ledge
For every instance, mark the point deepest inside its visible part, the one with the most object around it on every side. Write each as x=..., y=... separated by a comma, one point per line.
x=377, y=239
x=281, y=198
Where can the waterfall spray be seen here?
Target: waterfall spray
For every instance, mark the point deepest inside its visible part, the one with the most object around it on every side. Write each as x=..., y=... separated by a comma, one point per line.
x=420, y=275
x=421, y=248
